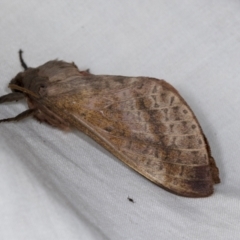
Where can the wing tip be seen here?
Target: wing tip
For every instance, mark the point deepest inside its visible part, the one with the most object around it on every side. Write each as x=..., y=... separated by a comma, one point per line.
x=189, y=188
x=201, y=193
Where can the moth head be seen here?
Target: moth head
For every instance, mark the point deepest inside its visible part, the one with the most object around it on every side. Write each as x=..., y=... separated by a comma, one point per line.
x=28, y=82
x=18, y=80
x=30, y=85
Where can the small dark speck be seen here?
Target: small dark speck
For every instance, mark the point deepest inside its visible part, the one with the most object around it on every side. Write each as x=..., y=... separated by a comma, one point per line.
x=130, y=200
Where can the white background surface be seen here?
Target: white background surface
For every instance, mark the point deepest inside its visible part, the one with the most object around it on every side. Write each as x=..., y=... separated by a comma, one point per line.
x=56, y=185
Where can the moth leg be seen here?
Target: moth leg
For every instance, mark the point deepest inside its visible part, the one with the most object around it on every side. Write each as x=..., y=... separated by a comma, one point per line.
x=20, y=116
x=24, y=65
x=14, y=96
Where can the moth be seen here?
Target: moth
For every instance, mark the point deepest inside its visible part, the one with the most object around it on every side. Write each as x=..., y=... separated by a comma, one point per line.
x=142, y=121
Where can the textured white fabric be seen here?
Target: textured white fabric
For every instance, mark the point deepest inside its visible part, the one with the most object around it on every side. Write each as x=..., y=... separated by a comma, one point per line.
x=57, y=185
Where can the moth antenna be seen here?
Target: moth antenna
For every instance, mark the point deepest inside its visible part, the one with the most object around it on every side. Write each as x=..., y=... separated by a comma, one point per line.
x=24, y=65
x=20, y=116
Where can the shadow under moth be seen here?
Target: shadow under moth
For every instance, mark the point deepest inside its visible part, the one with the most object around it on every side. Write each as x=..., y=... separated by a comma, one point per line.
x=143, y=121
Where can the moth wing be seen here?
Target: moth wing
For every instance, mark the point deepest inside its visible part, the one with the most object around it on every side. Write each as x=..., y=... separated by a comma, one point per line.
x=146, y=124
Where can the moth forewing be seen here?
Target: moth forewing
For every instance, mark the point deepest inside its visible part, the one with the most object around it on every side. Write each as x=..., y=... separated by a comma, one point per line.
x=146, y=124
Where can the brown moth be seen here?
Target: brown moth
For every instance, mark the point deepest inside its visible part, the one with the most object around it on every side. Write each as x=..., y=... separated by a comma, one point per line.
x=142, y=121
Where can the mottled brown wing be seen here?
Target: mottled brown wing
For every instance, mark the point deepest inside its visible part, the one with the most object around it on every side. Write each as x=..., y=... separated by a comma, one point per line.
x=145, y=123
